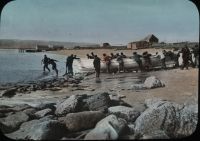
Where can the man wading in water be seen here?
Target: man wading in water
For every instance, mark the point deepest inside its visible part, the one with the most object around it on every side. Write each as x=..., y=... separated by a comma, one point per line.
x=45, y=61
x=69, y=64
x=53, y=63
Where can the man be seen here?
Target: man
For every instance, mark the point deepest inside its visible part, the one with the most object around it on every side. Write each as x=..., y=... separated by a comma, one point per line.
x=176, y=57
x=53, y=63
x=185, y=57
x=107, y=60
x=121, y=63
x=162, y=59
x=92, y=55
x=45, y=61
x=112, y=56
x=97, y=65
x=122, y=55
x=137, y=59
x=69, y=63
x=89, y=57
x=147, y=60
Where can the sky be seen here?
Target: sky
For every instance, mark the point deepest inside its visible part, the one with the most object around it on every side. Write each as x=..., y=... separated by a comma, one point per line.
x=99, y=21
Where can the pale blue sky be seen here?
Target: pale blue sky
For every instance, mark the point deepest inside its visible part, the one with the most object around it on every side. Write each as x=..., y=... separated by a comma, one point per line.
x=98, y=21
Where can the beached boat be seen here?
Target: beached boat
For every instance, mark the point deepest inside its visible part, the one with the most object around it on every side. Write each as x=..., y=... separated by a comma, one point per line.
x=129, y=64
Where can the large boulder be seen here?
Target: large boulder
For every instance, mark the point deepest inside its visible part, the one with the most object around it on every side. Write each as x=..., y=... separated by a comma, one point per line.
x=12, y=122
x=44, y=129
x=127, y=113
x=9, y=92
x=43, y=113
x=188, y=118
x=83, y=120
x=175, y=120
x=99, y=101
x=72, y=104
x=109, y=128
x=153, y=82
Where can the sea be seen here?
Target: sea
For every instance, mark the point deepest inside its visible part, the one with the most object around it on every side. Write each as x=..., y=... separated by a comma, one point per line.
x=16, y=67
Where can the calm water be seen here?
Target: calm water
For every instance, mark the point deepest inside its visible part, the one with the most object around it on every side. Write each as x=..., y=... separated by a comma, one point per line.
x=23, y=67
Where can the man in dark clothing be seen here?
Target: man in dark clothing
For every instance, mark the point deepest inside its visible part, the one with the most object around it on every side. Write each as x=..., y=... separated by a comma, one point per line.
x=53, y=63
x=92, y=55
x=45, y=61
x=97, y=65
x=122, y=55
x=185, y=56
x=112, y=55
x=69, y=64
x=89, y=57
x=147, y=60
x=137, y=59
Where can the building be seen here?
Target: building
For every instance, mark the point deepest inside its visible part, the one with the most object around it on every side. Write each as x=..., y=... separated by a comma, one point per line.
x=144, y=43
x=42, y=47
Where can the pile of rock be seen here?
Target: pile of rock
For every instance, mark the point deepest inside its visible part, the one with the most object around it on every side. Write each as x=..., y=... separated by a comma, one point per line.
x=98, y=117
x=47, y=84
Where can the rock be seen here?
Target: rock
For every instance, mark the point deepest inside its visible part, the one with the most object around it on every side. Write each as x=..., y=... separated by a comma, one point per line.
x=83, y=120
x=39, y=130
x=139, y=107
x=12, y=123
x=138, y=87
x=77, y=135
x=153, y=82
x=2, y=115
x=154, y=102
x=9, y=93
x=158, y=134
x=99, y=101
x=5, y=109
x=188, y=118
x=43, y=113
x=175, y=120
x=72, y=104
x=127, y=113
x=50, y=105
x=109, y=128
x=30, y=112
x=21, y=107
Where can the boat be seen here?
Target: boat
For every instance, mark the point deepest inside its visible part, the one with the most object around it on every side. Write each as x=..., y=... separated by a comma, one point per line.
x=129, y=64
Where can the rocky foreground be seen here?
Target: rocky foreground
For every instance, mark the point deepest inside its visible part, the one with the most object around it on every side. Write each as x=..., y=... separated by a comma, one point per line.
x=100, y=116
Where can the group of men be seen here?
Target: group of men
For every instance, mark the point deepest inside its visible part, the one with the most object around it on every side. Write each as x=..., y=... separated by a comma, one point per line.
x=46, y=61
x=146, y=64
x=69, y=64
x=119, y=57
